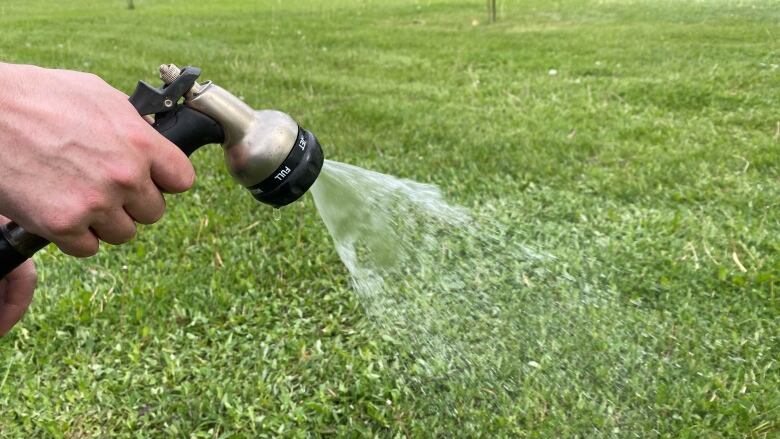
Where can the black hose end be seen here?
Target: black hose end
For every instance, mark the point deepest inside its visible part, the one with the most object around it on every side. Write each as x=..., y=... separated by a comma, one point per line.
x=10, y=257
x=295, y=176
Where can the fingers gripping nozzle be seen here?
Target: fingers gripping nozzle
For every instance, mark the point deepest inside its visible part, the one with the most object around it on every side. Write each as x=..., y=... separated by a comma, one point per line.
x=266, y=151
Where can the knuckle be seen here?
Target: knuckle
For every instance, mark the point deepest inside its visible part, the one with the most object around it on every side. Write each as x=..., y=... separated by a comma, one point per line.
x=63, y=224
x=127, y=177
x=93, y=203
x=137, y=134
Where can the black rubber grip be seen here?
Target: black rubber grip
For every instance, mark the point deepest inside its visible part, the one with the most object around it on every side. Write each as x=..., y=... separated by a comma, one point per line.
x=188, y=129
x=16, y=246
x=10, y=258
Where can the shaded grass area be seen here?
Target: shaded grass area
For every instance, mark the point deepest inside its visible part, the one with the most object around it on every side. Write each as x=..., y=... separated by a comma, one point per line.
x=637, y=141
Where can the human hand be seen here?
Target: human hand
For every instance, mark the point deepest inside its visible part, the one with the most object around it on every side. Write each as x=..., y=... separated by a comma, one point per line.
x=16, y=291
x=78, y=162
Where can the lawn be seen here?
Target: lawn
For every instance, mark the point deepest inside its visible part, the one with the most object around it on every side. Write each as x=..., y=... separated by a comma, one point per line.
x=638, y=141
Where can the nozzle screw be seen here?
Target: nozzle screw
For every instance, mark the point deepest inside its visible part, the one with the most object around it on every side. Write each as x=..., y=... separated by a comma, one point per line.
x=169, y=73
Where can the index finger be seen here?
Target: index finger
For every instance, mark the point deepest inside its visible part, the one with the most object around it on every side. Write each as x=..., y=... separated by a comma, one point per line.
x=170, y=169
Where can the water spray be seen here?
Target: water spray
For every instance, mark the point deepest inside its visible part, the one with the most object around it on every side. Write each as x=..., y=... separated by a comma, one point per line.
x=266, y=151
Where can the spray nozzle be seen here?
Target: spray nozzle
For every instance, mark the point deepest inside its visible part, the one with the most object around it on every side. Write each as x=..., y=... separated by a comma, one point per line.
x=266, y=151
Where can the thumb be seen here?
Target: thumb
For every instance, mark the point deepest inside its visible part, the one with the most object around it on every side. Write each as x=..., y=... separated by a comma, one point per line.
x=16, y=292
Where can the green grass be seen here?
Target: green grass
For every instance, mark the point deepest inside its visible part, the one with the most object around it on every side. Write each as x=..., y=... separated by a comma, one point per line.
x=648, y=164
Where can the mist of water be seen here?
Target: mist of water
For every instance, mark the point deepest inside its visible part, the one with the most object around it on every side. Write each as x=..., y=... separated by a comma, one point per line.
x=478, y=313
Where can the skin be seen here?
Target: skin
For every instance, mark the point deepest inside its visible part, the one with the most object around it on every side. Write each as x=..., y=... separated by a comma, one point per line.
x=79, y=166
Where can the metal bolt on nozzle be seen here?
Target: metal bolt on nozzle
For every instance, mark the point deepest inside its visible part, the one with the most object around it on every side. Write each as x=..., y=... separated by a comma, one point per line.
x=169, y=73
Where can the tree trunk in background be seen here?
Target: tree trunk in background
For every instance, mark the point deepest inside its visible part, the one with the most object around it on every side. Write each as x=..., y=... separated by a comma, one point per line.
x=491, y=7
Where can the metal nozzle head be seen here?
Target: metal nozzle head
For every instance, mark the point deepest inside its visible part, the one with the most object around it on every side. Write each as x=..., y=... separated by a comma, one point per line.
x=295, y=175
x=266, y=151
